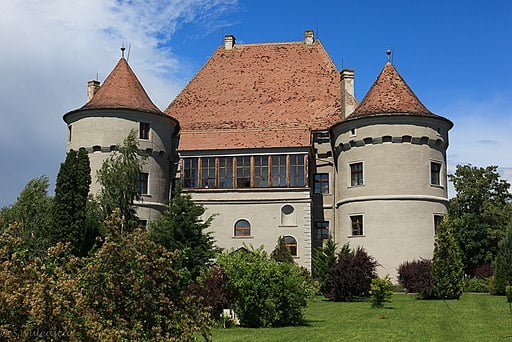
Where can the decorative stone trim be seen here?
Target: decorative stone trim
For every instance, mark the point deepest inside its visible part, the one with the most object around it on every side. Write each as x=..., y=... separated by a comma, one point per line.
x=108, y=149
x=438, y=144
x=392, y=198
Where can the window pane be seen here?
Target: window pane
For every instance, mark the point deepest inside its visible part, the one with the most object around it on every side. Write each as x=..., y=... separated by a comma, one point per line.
x=261, y=171
x=190, y=173
x=435, y=173
x=356, y=171
x=437, y=221
x=279, y=171
x=321, y=183
x=208, y=173
x=143, y=183
x=242, y=228
x=226, y=172
x=243, y=172
x=291, y=244
x=321, y=230
x=297, y=170
x=144, y=130
x=357, y=224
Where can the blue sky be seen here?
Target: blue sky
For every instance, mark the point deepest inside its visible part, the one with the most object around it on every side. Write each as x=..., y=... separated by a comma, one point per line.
x=454, y=54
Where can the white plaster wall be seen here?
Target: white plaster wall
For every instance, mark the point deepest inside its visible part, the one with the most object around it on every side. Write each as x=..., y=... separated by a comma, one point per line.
x=263, y=210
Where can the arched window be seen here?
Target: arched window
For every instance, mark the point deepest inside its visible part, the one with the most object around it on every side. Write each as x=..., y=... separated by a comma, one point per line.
x=288, y=215
x=291, y=244
x=242, y=228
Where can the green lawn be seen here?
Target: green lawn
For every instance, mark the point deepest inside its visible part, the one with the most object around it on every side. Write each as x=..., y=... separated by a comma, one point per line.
x=475, y=317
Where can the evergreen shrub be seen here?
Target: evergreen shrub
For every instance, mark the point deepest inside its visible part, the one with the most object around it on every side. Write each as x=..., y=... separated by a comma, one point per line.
x=381, y=290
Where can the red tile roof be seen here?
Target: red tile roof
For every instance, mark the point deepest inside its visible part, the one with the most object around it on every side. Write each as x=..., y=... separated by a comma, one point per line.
x=122, y=90
x=390, y=94
x=259, y=91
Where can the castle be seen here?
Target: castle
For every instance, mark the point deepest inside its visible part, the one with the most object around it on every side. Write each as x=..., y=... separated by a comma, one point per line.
x=270, y=138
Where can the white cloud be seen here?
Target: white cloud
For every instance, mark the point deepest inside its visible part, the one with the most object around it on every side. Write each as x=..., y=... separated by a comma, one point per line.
x=50, y=48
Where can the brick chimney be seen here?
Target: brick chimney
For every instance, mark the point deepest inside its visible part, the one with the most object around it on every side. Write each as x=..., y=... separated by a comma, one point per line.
x=348, y=102
x=229, y=42
x=92, y=88
x=309, y=37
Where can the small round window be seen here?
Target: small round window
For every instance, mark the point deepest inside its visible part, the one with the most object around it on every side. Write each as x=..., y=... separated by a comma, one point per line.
x=287, y=209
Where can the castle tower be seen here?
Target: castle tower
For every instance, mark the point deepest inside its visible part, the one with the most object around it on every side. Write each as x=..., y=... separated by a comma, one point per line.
x=391, y=184
x=120, y=105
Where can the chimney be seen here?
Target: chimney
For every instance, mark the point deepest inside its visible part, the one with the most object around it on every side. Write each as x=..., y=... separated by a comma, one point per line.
x=92, y=88
x=309, y=37
x=229, y=42
x=348, y=102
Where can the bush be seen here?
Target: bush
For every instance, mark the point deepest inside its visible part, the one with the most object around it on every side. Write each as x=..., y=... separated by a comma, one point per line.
x=352, y=275
x=416, y=277
x=476, y=285
x=483, y=271
x=212, y=288
x=508, y=293
x=323, y=261
x=380, y=291
x=265, y=292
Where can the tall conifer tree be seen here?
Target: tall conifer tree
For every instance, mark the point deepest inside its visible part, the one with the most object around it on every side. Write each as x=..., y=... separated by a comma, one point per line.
x=70, y=203
x=447, y=272
x=503, y=264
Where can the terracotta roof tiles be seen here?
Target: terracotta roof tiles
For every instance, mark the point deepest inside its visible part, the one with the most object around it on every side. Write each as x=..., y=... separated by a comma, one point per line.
x=122, y=90
x=390, y=94
x=272, y=87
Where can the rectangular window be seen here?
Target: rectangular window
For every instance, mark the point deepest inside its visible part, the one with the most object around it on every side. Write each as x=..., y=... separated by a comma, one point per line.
x=143, y=183
x=357, y=224
x=208, y=173
x=321, y=183
x=243, y=172
x=144, y=130
x=225, y=172
x=321, y=230
x=279, y=171
x=69, y=132
x=437, y=221
x=261, y=171
x=190, y=173
x=356, y=174
x=297, y=170
x=143, y=223
x=435, y=173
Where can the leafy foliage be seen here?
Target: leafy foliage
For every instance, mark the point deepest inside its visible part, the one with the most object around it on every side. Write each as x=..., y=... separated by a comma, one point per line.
x=281, y=253
x=416, y=277
x=180, y=228
x=479, y=213
x=32, y=215
x=70, y=204
x=323, y=261
x=475, y=284
x=118, y=177
x=381, y=290
x=447, y=273
x=483, y=271
x=212, y=288
x=503, y=264
x=352, y=275
x=265, y=292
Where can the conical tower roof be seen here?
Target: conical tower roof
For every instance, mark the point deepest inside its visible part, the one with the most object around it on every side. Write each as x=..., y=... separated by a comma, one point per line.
x=390, y=94
x=122, y=90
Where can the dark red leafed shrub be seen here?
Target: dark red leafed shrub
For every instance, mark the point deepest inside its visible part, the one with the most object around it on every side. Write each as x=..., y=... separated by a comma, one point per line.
x=352, y=275
x=483, y=271
x=416, y=277
x=212, y=288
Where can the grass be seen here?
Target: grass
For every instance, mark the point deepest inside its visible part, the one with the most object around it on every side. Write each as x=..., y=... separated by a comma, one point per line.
x=475, y=317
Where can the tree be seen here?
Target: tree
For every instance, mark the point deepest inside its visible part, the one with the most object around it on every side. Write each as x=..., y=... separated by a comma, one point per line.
x=119, y=177
x=479, y=213
x=503, y=264
x=180, y=227
x=32, y=212
x=447, y=272
x=281, y=253
x=70, y=203
x=324, y=259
